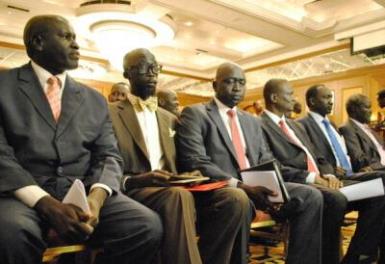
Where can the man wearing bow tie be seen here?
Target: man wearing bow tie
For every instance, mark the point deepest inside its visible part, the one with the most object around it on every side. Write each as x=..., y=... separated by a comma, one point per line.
x=145, y=136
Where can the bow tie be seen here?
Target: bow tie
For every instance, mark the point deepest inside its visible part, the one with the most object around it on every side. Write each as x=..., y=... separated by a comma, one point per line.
x=151, y=103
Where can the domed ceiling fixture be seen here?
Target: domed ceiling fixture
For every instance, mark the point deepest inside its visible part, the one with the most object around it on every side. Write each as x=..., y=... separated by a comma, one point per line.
x=117, y=27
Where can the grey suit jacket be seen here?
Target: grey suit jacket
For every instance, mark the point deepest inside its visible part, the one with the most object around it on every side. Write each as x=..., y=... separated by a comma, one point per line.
x=361, y=149
x=131, y=141
x=288, y=153
x=36, y=150
x=203, y=142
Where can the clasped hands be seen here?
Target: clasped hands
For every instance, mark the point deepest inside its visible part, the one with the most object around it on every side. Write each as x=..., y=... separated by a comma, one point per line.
x=69, y=221
x=329, y=180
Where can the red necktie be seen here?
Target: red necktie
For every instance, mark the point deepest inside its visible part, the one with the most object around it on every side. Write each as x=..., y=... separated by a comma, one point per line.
x=236, y=138
x=311, y=166
x=53, y=96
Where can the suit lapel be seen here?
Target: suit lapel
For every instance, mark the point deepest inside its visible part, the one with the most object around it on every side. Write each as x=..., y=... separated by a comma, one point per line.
x=213, y=112
x=30, y=86
x=276, y=129
x=166, y=140
x=320, y=135
x=131, y=122
x=71, y=101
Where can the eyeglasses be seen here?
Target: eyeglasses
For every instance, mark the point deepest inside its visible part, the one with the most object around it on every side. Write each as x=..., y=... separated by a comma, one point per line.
x=232, y=81
x=145, y=68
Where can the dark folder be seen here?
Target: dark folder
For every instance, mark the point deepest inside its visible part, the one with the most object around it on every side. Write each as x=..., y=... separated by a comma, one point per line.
x=272, y=165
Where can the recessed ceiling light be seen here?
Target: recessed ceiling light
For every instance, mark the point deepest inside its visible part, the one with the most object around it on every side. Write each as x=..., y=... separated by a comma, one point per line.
x=188, y=23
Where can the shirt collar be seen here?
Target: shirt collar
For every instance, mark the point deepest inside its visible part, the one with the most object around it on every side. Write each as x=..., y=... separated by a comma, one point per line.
x=275, y=117
x=358, y=123
x=317, y=117
x=43, y=75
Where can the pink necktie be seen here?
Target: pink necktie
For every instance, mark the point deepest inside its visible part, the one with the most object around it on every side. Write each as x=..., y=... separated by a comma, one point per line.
x=53, y=96
x=236, y=138
x=311, y=166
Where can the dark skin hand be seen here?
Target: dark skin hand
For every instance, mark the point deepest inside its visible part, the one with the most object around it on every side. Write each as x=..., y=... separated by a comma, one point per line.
x=68, y=220
x=158, y=178
x=259, y=195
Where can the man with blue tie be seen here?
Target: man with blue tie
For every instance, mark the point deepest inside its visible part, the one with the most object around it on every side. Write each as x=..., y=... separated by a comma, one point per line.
x=329, y=143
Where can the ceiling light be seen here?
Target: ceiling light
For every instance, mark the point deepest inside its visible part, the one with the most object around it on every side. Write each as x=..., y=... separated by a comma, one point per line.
x=116, y=29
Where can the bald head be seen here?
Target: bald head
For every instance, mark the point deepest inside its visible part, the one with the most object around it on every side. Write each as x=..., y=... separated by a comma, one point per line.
x=278, y=95
x=229, y=84
x=167, y=99
x=141, y=69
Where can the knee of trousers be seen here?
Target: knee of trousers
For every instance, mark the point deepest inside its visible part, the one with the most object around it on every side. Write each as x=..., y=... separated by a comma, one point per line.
x=177, y=198
x=236, y=201
x=150, y=228
x=18, y=233
x=336, y=203
x=313, y=198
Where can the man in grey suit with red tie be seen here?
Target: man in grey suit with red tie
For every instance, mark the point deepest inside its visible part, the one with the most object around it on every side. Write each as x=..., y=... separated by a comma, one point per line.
x=219, y=140
x=54, y=130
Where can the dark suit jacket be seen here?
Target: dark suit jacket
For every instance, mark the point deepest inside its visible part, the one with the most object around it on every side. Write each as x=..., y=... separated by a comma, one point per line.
x=131, y=141
x=203, y=142
x=360, y=147
x=318, y=139
x=288, y=153
x=34, y=149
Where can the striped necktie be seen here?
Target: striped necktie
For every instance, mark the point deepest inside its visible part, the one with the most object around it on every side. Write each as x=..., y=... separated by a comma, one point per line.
x=53, y=96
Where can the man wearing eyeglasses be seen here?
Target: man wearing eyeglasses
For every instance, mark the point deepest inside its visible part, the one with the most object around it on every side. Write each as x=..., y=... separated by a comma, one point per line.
x=145, y=136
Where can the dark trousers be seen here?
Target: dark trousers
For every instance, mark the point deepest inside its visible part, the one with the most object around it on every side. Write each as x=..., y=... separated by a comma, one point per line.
x=127, y=231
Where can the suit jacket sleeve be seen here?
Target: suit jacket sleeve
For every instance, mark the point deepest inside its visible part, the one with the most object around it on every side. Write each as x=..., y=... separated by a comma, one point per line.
x=106, y=163
x=358, y=158
x=190, y=143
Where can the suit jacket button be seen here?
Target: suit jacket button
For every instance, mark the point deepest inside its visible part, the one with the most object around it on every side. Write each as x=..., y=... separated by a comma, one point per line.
x=59, y=170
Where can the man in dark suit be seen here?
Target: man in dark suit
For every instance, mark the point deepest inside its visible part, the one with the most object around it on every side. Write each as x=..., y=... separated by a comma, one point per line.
x=145, y=135
x=295, y=149
x=218, y=139
x=328, y=142
x=49, y=140
x=365, y=147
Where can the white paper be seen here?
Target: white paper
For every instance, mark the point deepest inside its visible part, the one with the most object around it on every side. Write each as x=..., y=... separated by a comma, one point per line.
x=76, y=195
x=363, y=190
x=267, y=179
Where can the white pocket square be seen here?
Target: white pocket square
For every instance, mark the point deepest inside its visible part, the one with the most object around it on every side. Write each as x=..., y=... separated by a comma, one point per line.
x=171, y=132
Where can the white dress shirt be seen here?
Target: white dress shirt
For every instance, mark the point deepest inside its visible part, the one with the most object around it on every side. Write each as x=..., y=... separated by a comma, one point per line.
x=276, y=119
x=149, y=127
x=31, y=194
x=366, y=129
x=222, y=108
x=318, y=119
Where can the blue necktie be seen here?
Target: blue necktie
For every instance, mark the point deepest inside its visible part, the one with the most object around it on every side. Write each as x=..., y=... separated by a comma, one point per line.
x=342, y=158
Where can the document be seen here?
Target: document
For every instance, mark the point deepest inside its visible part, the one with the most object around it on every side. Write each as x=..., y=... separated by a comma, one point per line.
x=267, y=174
x=363, y=190
x=207, y=186
x=267, y=179
x=76, y=195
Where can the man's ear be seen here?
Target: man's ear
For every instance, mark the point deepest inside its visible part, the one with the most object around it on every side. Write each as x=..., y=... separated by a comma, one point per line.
x=37, y=42
x=273, y=97
x=126, y=75
x=161, y=101
x=311, y=102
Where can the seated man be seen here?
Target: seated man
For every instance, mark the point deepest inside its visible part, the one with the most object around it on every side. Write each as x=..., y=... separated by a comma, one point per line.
x=54, y=130
x=145, y=135
x=219, y=140
x=365, y=147
x=118, y=92
x=290, y=144
x=168, y=100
